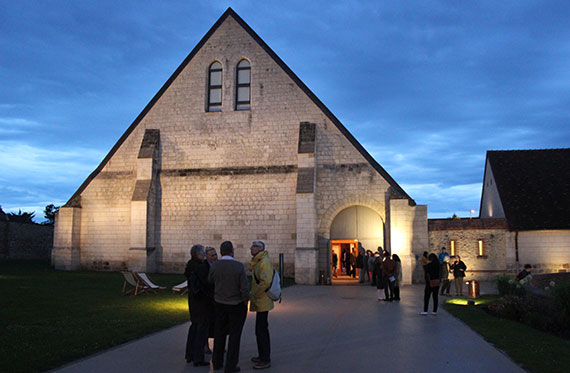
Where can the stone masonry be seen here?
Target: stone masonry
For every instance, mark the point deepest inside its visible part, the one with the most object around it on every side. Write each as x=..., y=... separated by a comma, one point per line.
x=279, y=172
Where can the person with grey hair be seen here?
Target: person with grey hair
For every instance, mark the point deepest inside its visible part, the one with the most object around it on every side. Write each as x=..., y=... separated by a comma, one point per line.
x=199, y=300
x=261, y=304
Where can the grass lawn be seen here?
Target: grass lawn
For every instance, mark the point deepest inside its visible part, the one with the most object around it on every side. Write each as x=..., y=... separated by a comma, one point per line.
x=534, y=350
x=48, y=317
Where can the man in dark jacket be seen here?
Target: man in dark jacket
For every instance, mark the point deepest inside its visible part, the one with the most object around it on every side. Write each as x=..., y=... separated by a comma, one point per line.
x=231, y=294
x=388, y=273
x=200, y=293
x=458, y=268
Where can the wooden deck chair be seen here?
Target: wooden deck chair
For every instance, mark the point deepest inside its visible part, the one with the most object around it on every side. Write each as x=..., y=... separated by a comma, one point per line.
x=130, y=279
x=147, y=282
x=181, y=288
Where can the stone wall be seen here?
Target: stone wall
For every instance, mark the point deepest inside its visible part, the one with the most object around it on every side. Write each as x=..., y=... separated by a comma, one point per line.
x=466, y=233
x=546, y=251
x=25, y=241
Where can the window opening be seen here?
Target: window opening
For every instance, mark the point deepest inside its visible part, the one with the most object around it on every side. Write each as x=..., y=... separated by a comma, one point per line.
x=243, y=85
x=215, y=87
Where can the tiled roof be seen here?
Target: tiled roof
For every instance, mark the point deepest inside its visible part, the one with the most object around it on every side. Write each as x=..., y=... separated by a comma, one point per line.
x=466, y=224
x=534, y=187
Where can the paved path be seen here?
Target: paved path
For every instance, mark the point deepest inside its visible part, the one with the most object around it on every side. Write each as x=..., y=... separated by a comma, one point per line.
x=329, y=329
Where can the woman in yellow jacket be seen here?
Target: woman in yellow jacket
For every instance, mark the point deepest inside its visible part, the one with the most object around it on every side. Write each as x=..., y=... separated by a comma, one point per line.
x=262, y=271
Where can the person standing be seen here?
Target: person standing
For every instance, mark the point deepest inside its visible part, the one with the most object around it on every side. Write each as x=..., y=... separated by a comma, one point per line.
x=378, y=276
x=388, y=273
x=352, y=258
x=432, y=269
x=370, y=261
x=231, y=293
x=334, y=263
x=443, y=255
x=211, y=257
x=458, y=268
x=199, y=292
x=445, y=282
x=398, y=275
x=261, y=304
x=344, y=262
x=360, y=266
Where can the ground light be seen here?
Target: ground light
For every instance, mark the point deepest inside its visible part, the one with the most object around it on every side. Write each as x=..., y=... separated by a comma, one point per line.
x=486, y=299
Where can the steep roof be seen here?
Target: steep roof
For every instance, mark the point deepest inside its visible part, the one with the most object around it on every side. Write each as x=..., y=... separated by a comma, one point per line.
x=231, y=13
x=534, y=187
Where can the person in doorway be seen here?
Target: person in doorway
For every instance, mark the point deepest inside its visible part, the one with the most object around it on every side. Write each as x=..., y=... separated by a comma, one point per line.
x=231, y=294
x=261, y=304
x=445, y=281
x=198, y=304
x=459, y=269
x=344, y=261
x=359, y=263
x=432, y=269
x=334, y=263
x=378, y=276
x=398, y=275
x=389, y=275
x=352, y=263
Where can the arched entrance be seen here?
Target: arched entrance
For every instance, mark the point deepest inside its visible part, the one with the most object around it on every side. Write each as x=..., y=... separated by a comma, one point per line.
x=353, y=225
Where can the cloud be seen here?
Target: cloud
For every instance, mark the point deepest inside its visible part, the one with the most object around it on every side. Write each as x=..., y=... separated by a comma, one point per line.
x=17, y=125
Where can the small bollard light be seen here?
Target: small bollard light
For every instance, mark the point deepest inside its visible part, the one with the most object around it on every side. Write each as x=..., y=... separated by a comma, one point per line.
x=473, y=288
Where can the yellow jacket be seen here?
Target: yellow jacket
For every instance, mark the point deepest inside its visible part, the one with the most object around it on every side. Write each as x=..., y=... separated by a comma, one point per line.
x=262, y=270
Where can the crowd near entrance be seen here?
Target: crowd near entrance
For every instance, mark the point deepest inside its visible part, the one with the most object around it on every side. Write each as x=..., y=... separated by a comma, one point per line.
x=353, y=226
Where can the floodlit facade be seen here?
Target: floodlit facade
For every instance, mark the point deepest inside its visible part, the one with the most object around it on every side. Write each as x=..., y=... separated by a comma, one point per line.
x=235, y=147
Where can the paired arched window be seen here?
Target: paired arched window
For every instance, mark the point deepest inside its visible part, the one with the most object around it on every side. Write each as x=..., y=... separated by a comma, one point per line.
x=243, y=85
x=215, y=87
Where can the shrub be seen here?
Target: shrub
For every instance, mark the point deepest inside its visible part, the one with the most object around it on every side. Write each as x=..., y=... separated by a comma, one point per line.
x=507, y=285
x=562, y=298
x=511, y=307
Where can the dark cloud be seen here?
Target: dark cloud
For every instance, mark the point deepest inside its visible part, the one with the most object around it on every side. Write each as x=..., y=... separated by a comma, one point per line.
x=427, y=87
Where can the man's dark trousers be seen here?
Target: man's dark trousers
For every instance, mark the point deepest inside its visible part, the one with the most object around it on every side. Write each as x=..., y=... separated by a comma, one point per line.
x=262, y=336
x=230, y=319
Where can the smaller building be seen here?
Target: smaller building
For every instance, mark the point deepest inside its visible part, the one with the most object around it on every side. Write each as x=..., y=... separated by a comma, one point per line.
x=524, y=217
x=531, y=190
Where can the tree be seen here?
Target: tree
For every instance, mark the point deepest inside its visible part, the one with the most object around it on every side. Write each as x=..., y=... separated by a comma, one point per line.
x=22, y=217
x=49, y=213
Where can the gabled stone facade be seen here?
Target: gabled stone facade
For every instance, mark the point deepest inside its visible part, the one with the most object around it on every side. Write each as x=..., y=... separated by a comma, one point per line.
x=279, y=171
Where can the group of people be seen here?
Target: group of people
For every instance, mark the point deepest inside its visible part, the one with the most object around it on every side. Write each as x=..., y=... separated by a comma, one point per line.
x=386, y=274
x=218, y=294
x=437, y=272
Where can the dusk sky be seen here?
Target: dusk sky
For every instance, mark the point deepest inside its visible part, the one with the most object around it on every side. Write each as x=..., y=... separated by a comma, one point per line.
x=427, y=87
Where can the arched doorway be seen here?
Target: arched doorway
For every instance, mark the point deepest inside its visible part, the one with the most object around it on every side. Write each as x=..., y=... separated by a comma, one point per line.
x=353, y=225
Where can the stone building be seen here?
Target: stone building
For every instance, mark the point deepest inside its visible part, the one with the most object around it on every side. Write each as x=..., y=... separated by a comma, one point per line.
x=235, y=147
x=530, y=189
x=524, y=217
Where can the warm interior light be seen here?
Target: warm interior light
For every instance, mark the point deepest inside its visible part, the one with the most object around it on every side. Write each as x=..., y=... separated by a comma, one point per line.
x=480, y=247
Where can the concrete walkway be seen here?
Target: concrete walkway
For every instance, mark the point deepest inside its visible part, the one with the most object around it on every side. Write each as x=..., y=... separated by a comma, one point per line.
x=329, y=329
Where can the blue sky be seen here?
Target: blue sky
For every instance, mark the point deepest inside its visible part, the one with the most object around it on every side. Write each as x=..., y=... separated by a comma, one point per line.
x=427, y=87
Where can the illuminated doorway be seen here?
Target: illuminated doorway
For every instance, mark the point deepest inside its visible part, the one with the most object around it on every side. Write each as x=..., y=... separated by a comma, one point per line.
x=353, y=225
